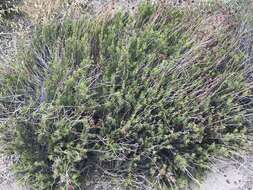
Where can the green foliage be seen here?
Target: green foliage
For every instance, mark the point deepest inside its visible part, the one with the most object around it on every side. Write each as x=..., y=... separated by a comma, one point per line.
x=133, y=95
x=8, y=8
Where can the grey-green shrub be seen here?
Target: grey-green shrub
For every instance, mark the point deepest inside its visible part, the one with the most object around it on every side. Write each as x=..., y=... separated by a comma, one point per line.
x=132, y=96
x=8, y=8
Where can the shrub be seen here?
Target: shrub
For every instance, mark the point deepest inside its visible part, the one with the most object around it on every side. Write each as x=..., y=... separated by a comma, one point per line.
x=128, y=96
x=8, y=7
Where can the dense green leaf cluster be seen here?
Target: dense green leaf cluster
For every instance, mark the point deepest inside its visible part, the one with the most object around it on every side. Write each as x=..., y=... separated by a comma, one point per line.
x=8, y=8
x=132, y=96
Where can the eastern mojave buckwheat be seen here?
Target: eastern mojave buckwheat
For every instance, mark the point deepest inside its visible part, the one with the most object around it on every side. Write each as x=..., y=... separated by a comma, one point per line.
x=148, y=98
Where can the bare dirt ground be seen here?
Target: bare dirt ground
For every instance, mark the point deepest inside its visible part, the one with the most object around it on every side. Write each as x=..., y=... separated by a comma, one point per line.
x=229, y=175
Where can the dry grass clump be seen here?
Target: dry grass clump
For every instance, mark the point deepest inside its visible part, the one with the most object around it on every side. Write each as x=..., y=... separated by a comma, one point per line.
x=41, y=11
